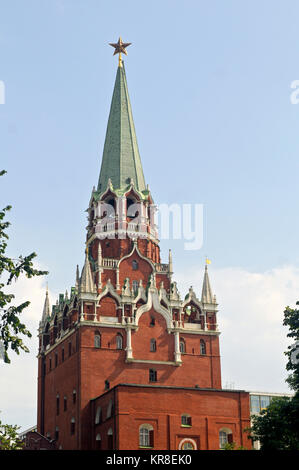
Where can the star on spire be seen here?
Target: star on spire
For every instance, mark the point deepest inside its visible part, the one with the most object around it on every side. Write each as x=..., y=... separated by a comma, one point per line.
x=120, y=47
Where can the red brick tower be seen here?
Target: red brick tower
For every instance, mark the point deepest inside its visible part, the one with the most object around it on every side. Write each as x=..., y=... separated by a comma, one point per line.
x=124, y=321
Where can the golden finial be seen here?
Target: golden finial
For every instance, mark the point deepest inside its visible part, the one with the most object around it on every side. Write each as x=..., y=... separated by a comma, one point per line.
x=119, y=48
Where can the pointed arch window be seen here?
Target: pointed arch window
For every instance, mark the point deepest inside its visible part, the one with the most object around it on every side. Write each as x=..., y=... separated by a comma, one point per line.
x=73, y=426
x=135, y=286
x=182, y=346
x=203, y=349
x=110, y=409
x=57, y=404
x=134, y=264
x=119, y=341
x=110, y=439
x=153, y=345
x=97, y=340
x=98, y=442
x=98, y=419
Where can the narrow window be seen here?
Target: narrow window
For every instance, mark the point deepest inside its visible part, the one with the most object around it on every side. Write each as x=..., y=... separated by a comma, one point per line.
x=134, y=265
x=97, y=340
x=202, y=347
x=73, y=426
x=50, y=364
x=74, y=396
x=182, y=346
x=107, y=384
x=56, y=433
x=110, y=409
x=57, y=404
x=153, y=345
x=110, y=439
x=98, y=442
x=152, y=375
x=135, y=286
x=119, y=341
x=98, y=419
x=64, y=404
x=152, y=322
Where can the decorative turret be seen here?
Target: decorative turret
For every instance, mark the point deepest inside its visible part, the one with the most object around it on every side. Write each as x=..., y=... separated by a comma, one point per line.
x=46, y=309
x=87, y=285
x=77, y=279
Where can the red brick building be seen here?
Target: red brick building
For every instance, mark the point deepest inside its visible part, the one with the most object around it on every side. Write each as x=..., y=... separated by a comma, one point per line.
x=124, y=361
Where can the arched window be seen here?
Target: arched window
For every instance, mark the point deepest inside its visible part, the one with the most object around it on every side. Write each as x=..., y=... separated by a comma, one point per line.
x=57, y=404
x=108, y=208
x=203, y=347
x=74, y=396
x=98, y=419
x=135, y=286
x=64, y=403
x=73, y=426
x=119, y=341
x=146, y=435
x=134, y=264
x=56, y=433
x=98, y=442
x=153, y=345
x=110, y=439
x=97, y=340
x=225, y=437
x=182, y=346
x=110, y=409
x=187, y=444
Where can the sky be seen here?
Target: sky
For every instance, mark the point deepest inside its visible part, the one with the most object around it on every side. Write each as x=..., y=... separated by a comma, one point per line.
x=210, y=87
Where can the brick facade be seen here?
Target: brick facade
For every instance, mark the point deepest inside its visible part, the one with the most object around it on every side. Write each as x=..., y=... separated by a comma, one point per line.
x=125, y=322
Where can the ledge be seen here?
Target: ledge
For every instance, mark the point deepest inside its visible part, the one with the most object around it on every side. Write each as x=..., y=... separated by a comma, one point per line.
x=149, y=361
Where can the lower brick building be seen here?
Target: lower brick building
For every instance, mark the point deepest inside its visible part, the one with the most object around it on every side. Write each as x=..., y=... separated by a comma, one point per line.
x=131, y=416
x=125, y=322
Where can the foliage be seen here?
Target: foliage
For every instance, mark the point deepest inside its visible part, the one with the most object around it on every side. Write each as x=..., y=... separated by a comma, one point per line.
x=277, y=426
x=291, y=319
x=232, y=446
x=10, y=324
x=9, y=439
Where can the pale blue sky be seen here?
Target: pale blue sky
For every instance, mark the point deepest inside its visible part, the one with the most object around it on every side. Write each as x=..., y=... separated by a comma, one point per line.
x=210, y=89
x=210, y=85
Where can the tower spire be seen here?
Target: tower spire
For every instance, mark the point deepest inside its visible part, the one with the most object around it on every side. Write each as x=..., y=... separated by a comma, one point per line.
x=121, y=160
x=206, y=296
x=46, y=309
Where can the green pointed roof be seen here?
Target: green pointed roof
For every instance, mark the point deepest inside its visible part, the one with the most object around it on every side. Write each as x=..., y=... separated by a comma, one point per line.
x=121, y=160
